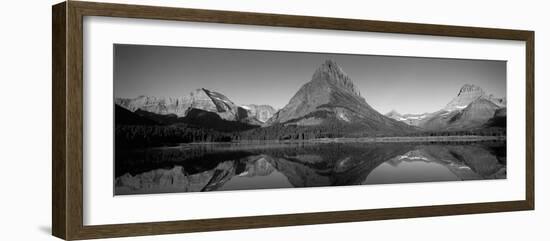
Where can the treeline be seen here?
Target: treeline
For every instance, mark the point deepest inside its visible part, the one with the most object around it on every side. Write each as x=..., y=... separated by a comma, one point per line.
x=493, y=131
x=166, y=135
x=293, y=132
x=326, y=130
x=290, y=132
x=158, y=135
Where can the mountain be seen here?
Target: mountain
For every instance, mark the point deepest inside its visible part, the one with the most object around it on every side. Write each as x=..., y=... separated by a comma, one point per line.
x=158, y=105
x=210, y=120
x=410, y=119
x=467, y=94
x=331, y=98
x=475, y=114
x=202, y=99
x=126, y=117
x=197, y=118
x=498, y=120
x=218, y=103
x=160, y=119
x=470, y=108
x=500, y=102
x=261, y=112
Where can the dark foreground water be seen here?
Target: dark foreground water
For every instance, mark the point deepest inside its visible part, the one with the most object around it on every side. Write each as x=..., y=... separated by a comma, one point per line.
x=215, y=167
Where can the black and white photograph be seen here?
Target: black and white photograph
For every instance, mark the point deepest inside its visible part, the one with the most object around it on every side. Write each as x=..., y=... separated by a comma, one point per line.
x=189, y=119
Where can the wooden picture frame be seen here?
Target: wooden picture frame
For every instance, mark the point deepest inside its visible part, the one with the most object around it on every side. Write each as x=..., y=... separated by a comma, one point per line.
x=67, y=150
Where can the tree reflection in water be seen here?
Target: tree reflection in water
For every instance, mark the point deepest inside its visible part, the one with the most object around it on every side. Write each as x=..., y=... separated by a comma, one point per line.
x=216, y=167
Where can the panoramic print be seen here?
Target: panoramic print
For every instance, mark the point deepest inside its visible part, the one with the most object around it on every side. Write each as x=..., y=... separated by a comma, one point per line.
x=203, y=119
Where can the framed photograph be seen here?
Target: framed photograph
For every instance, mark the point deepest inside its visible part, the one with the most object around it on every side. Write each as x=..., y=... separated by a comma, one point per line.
x=171, y=120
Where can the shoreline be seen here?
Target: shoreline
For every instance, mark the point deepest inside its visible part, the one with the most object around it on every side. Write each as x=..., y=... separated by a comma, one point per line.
x=411, y=139
x=392, y=139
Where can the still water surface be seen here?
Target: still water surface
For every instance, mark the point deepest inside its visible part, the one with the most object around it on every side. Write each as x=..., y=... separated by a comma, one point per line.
x=237, y=166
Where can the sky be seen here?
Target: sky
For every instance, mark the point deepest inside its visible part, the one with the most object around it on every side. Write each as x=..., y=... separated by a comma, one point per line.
x=405, y=84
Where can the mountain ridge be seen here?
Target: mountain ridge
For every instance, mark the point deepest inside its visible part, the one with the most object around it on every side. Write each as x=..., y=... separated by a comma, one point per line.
x=458, y=110
x=201, y=98
x=331, y=96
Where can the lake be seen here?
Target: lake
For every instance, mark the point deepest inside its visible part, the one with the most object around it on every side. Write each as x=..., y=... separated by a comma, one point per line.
x=245, y=166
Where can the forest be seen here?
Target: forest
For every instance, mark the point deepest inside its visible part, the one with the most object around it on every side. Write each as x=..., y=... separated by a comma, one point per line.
x=168, y=135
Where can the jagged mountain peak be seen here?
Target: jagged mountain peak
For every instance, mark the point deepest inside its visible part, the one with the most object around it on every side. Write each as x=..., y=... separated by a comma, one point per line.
x=216, y=95
x=467, y=94
x=329, y=86
x=159, y=105
x=330, y=98
x=201, y=98
x=332, y=73
x=469, y=89
x=470, y=107
x=330, y=65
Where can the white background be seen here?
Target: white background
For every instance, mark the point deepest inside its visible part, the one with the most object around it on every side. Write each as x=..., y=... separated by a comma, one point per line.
x=25, y=93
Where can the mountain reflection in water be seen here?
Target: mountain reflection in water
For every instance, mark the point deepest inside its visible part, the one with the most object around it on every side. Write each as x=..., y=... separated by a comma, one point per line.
x=214, y=167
